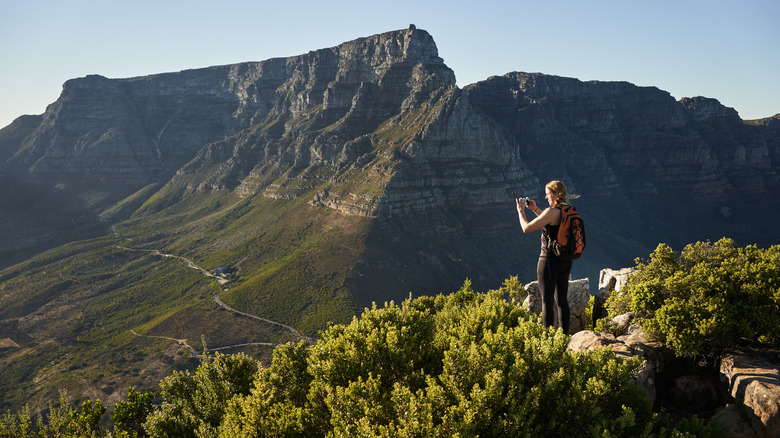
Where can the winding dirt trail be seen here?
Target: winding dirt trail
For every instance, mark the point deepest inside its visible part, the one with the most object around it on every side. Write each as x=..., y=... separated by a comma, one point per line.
x=189, y=262
x=285, y=326
x=182, y=342
x=194, y=352
x=225, y=286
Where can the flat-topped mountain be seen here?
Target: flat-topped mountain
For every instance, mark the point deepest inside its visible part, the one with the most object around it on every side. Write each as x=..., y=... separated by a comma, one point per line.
x=323, y=182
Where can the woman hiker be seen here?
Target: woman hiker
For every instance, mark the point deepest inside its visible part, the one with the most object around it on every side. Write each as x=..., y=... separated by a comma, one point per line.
x=551, y=272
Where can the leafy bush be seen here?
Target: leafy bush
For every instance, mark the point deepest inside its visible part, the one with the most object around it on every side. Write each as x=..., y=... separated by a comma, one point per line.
x=710, y=297
x=467, y=364
x=513, y=289
x=195, y=404
x=62, y=421
x=130, y=415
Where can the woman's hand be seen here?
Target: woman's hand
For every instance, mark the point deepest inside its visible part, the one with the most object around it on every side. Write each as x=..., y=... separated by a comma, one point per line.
x=543, y=218
x=520, y=204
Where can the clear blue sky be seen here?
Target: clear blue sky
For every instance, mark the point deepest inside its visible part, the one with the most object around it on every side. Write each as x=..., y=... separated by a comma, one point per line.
x=727, y=50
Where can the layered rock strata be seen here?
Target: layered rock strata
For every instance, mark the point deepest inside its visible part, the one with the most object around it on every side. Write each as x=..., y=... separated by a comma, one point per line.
x=376, y=127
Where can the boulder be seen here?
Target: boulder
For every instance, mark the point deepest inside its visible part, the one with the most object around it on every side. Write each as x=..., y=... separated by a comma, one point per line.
x=695, y=392
x=610, y=280
x=754, y=382
x=614, y=279
x=579, y=296
x=625, y=347
x=624, y=321
x=588, y=340
x=734, y=422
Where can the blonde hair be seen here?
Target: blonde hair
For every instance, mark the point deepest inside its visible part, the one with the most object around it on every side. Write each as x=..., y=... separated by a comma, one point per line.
x=559, y=190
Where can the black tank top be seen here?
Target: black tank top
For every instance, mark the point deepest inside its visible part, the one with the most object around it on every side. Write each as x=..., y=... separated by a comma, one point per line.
x=549, y=233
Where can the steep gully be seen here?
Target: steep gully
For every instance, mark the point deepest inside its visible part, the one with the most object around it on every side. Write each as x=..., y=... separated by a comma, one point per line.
x=226, y=285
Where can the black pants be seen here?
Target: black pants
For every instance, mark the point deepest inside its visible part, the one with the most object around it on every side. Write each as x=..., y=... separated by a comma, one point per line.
x=553, y=275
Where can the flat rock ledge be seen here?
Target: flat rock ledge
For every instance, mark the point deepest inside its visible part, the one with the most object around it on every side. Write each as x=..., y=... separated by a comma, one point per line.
x=745, y=400
x=750, y=378
x=753, y=380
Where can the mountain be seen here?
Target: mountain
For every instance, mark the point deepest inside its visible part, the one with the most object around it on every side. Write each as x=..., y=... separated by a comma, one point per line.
x=650, y=168
x=324, y=182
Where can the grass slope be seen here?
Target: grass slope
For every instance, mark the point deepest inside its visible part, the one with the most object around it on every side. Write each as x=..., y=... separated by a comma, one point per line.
x=95, y=316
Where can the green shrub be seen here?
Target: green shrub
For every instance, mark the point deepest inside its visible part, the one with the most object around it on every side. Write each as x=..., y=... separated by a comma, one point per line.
x=513, y=289
x=587, y=316
x=62, y=421
x=467, y=364
x=710, y=297
x=194, y=405
x=130, y=415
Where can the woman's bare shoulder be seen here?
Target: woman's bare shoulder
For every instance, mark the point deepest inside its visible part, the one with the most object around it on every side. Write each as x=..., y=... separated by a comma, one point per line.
x=555, y=216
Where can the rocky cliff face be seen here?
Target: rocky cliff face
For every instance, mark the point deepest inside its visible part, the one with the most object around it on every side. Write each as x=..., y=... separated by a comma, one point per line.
x=131, y=130
x=376, y=127
x=381, y=120
x=645, y=164
x=614, y=136
x=385, y=104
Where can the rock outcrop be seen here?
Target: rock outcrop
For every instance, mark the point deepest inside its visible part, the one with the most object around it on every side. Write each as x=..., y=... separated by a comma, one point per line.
x=610, y=281
x=579, y=296
x=743, y=396
x=745, y=401
x=632, y=344
x=753, y=380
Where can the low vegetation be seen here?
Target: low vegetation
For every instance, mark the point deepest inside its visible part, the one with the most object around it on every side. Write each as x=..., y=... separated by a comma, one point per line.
x=463, y=364
x=708, y=297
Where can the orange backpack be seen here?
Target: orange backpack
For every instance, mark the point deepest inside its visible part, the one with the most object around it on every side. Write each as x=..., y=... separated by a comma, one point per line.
x=570, y=241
